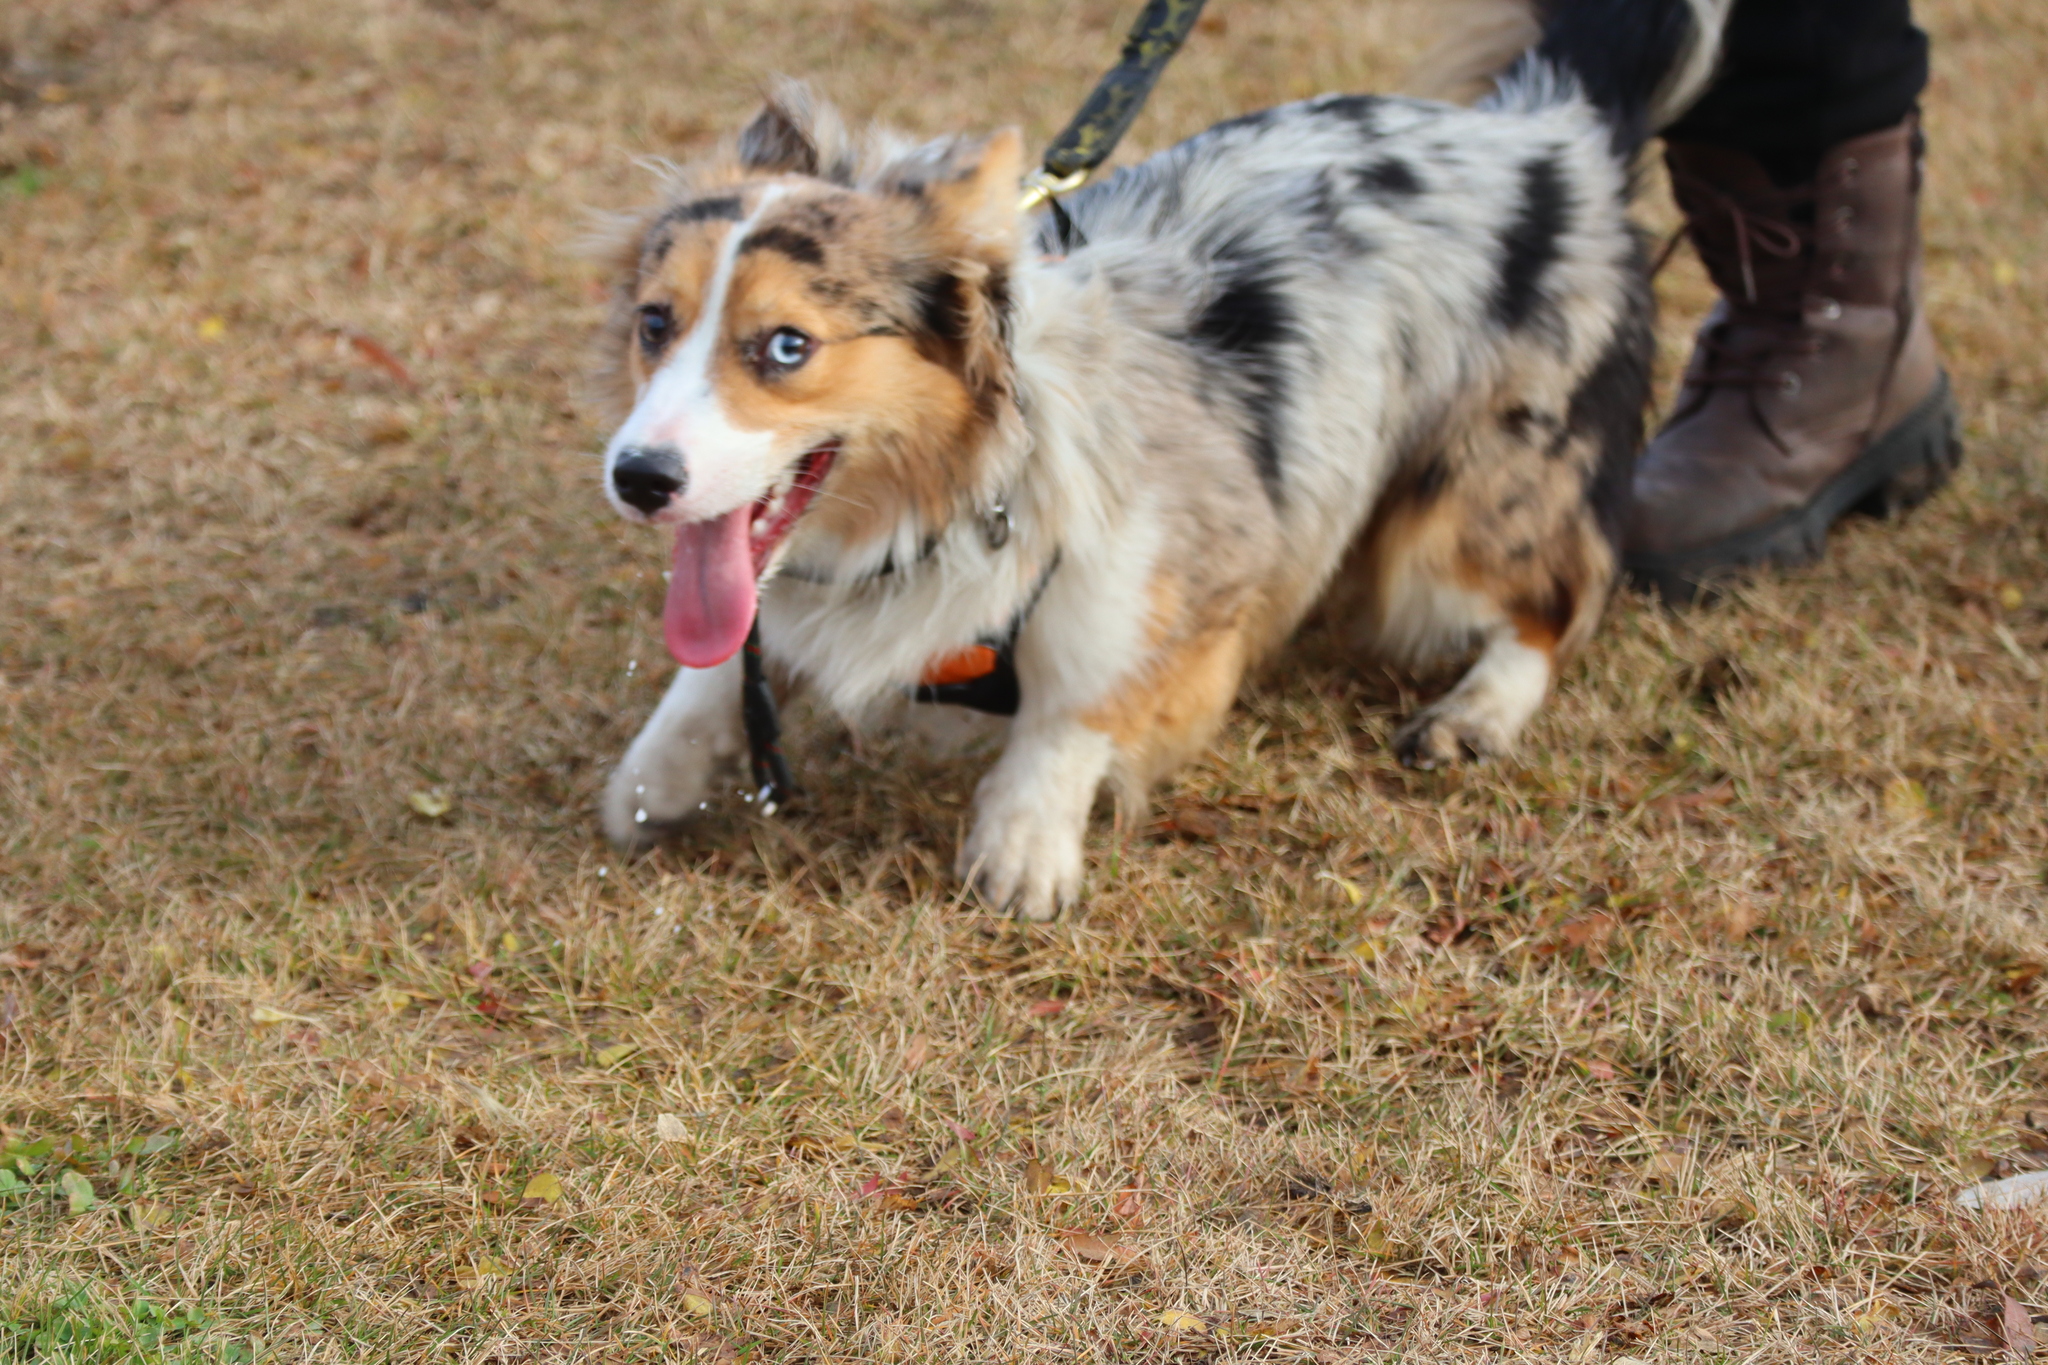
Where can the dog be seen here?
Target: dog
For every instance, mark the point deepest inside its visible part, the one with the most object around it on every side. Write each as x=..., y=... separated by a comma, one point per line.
x=1385, y=355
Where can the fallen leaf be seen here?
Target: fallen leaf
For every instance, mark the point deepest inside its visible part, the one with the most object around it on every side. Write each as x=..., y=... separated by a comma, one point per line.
x=2017, y=1326
x=609, y=1057
x=212, y=329
x=915, y=1055
x=1353, y=892
x=669, y=1128
x=1037, y=1177
x=78, y=1190
x=264, y=1014
x=696, y=1304
x=480, y=1272
x=431, y=804
x=374, y=352
x=1179, y=1320
x=1089, y=1247
x=542, y=1189
x=1045, y=1009
x=1905, y=799
x=390, y=998
x=1202, y=823
x=1446, y=929
x=509, y=941
x=1130, y=1206
x=148, y=1214
x=22, y=958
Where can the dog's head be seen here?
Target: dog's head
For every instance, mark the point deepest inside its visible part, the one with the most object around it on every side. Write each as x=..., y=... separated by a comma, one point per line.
x=812, y=343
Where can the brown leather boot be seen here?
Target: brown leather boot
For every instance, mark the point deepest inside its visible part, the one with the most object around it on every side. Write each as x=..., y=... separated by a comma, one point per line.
x=1814, y=387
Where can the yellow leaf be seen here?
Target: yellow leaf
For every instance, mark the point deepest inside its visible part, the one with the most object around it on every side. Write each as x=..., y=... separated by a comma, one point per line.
x=1905, y=799
x=2010, y=597
x=510, y=942
x=669, y=1128
x=1037, y=1177
x=264, y=1014
x=432, y=804
x=609, y=1057
x=1177, y=1320
x=2004, y=274
x=390, y=998
x=543, y=1188
x=696, y=1304
x=480, y=1272
x=148, y=1214
x=1353, y=892
x=213, y=329
x=1366, y=950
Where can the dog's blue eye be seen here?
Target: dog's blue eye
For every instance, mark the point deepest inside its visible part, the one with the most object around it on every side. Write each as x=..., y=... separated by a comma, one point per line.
x=656, y=322
x=786, y=349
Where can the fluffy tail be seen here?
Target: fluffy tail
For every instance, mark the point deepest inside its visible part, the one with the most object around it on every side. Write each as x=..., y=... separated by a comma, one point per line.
x=1641, y=63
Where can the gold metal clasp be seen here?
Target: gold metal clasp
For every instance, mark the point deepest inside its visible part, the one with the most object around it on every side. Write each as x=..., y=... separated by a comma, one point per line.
x=1042, y=186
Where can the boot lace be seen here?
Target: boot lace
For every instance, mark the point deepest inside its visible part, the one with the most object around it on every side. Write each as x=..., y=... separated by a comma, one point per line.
x=1739, y=351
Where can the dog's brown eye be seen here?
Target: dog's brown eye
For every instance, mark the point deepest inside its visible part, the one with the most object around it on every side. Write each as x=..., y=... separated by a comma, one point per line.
x=785, y=349
x=656, y=323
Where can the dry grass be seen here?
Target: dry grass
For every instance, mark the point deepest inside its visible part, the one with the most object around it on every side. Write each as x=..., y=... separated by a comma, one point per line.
x=1670, y=1040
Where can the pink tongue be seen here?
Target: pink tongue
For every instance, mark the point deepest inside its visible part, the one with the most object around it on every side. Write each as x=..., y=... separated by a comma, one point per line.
x=710, y=605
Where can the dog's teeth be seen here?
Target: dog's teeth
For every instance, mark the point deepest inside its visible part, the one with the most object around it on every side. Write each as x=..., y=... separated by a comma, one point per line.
x=760, y=526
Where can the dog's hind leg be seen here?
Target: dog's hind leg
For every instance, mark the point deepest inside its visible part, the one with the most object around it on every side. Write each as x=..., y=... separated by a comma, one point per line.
x=1474, y=547
x=667, y=773
x=1483, y=714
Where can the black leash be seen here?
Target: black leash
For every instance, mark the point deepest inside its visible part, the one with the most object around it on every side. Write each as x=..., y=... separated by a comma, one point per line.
x=1107, y=114
x=1162, y=26
x=772, y=786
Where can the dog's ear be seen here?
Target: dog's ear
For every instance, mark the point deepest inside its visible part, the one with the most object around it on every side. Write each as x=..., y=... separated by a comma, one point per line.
x=976, y=198
x=795, y=134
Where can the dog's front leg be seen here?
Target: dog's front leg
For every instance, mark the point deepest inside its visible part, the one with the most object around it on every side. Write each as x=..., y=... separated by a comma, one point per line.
x=1031, y=813
x=667, y=773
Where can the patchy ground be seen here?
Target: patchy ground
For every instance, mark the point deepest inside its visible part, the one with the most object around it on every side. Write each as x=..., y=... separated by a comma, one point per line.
x=329, y=1031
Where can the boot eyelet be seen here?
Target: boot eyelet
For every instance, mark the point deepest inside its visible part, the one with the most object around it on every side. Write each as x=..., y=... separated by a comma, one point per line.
x=1788, y=383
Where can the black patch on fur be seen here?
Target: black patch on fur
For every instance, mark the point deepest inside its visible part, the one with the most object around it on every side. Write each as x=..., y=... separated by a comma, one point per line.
x=1359, y=109
x=1427, y=483
x=723, y=207
x=800, y=247
x=1388, y=177
x=1245, y=326
x=1607, y=407
x=1517, y=420
x=1530, y=244
x=939, y=313
x=775, y=142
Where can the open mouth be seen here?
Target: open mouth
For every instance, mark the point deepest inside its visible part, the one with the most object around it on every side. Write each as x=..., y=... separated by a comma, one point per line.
x=714, y=584
x=777, y=511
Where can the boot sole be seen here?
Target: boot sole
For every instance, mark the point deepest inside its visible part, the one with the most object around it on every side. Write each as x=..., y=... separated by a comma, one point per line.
x=1902, y=469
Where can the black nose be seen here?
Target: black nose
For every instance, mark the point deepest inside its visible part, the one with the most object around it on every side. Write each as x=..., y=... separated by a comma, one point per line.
x=647, y=477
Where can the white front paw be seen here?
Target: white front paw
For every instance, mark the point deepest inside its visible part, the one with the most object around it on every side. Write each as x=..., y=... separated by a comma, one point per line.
x=668, y=773
x=650, y=796
x=1031, y=813
x=1023, y=863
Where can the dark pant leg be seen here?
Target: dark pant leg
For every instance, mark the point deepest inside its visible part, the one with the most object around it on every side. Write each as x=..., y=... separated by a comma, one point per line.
x=1799, y=76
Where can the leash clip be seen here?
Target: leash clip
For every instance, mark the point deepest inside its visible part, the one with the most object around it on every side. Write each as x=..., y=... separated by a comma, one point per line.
x=1042, y=187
